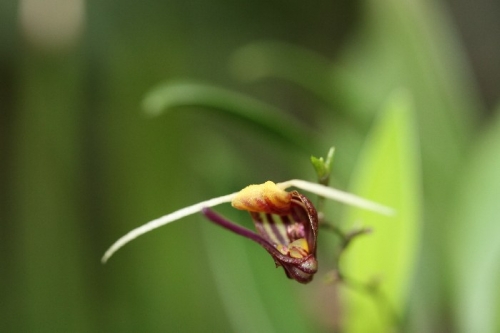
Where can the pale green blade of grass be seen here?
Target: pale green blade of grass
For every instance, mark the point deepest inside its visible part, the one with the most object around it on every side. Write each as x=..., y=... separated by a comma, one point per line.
x=474, y=246
x=388, y=172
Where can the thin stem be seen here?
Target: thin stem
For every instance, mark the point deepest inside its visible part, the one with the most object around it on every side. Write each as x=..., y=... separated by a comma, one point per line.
x=321, y=199
x=373, y=289
x=370, y=288
x=345, y=239
x=320, y=203
x=335, y=230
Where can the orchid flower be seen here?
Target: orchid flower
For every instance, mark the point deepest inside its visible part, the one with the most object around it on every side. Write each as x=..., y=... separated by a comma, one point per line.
x=286, y=222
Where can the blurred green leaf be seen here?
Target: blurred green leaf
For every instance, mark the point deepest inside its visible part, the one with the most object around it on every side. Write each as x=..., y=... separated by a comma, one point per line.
x=273, y=59
x=388, y=172
x=230, y=104
x=412, y=45
x=474, y=245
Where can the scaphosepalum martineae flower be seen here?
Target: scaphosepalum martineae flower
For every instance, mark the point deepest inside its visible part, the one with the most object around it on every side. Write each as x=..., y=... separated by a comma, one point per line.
x=286, y=222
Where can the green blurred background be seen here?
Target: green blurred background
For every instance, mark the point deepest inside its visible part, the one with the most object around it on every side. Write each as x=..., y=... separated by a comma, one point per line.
x=82, y=164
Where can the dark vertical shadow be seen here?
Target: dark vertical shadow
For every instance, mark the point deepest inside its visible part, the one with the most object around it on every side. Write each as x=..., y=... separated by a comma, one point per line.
x=7, y=224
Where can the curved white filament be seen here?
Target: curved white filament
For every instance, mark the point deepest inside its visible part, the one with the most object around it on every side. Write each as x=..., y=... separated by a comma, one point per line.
x=315, y=188
x=333, y=194
x=161, y=221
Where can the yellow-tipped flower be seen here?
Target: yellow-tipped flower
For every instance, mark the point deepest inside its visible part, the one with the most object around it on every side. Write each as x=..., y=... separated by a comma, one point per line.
x=266, y=198
x=286, y=222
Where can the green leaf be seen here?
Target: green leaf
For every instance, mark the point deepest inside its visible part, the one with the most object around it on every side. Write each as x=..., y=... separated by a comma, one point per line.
x=388, y=172
x=474, y=238
x=230, y=104
x=273, y=59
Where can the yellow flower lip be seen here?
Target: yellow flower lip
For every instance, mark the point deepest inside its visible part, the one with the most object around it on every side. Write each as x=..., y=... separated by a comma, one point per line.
x=263, y=198
x=297, y=249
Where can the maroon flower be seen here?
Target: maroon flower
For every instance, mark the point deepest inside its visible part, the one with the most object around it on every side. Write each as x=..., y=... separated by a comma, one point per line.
x=286, y=223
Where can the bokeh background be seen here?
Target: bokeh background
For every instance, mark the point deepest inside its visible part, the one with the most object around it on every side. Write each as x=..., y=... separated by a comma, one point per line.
x=81, y=163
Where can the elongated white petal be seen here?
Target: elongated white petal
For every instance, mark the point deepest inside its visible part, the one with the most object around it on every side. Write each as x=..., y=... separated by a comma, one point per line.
x=161, y=221
x=337, y=195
